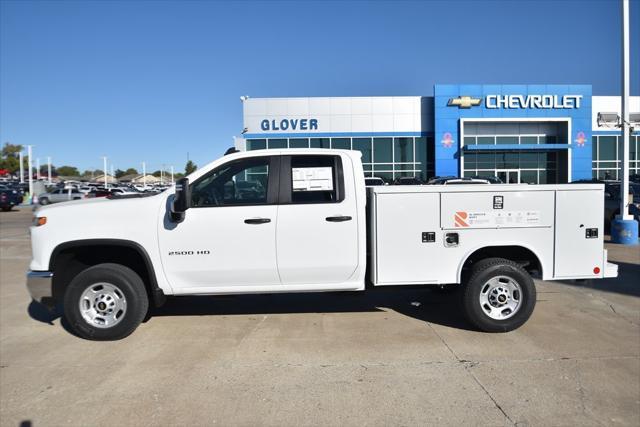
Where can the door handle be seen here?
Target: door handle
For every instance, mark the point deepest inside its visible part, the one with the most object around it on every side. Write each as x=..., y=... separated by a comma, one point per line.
x=257, y=220
x=338, y=218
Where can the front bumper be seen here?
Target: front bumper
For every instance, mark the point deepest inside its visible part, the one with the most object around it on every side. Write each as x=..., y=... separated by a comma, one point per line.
x=40, y=286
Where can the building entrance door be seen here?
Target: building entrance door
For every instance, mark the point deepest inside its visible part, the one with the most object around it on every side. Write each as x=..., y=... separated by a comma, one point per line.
x=509, y=176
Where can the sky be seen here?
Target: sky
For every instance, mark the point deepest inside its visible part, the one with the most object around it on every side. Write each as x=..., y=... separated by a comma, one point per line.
x=161, y=82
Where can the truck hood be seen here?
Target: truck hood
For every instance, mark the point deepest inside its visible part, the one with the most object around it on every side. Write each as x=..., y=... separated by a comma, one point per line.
x=128, y=219
x=115, y=203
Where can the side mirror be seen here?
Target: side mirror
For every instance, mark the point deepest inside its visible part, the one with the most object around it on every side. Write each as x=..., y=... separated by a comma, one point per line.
x=181, y=200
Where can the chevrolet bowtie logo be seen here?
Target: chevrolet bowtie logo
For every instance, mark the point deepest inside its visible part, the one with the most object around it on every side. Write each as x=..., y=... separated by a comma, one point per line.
x=464, y=102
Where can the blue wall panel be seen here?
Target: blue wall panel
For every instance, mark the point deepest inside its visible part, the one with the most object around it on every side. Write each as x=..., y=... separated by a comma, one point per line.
x=447, y=120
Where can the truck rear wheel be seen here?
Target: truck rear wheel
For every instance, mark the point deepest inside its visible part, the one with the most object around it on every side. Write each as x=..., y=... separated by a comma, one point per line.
x=499, y=296
x=105, y=302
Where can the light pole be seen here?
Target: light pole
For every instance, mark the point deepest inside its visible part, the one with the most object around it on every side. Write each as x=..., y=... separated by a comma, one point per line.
x=144, y=175
x=29, y=166
x=38, y=169
x=624, y=229
x=104, y=169
x=21, y=168
x=171, y=175
x=49, y=168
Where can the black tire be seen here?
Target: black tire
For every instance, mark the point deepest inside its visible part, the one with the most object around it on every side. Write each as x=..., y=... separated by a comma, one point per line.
x=43, y=201
x=481, y=273
x=127, y=282
x=6, y=208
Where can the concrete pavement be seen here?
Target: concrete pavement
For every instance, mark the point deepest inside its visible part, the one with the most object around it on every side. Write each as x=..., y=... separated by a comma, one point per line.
x=385, y=357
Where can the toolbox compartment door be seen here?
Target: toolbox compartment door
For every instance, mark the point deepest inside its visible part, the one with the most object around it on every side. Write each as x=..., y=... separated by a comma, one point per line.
x=578, y=217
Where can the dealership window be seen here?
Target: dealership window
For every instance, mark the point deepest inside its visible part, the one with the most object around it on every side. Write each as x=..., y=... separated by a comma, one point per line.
x=383, y=150
x=425, y=154
x=320, y=143
x=486, y=140
x=403, y=152
x=277, y=143
x=364, y=146
x=534, y=167
x=506, y=140
x=341, y=143
x=385, y=157
x=607, y=156
x=256, y=144
x=299, y=143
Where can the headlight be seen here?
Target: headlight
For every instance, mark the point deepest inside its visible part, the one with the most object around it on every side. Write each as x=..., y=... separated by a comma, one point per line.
x=39, y=220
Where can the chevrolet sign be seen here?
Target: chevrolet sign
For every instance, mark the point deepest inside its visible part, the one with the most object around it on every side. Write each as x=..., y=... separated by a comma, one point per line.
x=519, y=101
x=464, y=102
x=533, y=101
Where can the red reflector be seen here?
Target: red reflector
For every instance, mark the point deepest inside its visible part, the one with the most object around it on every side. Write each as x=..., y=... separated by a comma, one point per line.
x=596, y=270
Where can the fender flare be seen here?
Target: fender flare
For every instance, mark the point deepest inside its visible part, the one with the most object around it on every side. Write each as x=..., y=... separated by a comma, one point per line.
x=478, y=248
x=156, y=292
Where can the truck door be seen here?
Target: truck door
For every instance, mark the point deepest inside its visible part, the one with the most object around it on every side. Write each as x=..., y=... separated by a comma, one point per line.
x=228, y=235
x=317, y=231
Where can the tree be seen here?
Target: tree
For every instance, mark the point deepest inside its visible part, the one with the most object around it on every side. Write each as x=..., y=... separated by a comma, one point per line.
x=10, y=159
x=190, y=167
x=157, y=173
x=68, y=171
x=118, y=173
x=11, y=150
x=131, y=171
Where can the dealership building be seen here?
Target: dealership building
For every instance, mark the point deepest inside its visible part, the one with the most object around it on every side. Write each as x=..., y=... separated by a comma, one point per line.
x=536, y=134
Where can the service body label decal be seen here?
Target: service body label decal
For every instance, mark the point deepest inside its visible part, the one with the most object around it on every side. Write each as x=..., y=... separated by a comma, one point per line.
x=495, y=219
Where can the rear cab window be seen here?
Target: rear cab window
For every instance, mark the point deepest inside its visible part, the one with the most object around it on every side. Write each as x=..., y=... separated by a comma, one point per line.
x=308, y=179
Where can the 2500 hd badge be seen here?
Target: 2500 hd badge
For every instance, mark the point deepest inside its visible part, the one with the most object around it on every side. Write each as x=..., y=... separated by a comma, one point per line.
x=202, y=252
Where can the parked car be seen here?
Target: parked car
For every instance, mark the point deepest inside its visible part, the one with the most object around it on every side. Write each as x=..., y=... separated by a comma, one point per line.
x=60, y=195
x=408, y=180
x=491, y=179
x=98, y=192
x=450, y=180
x=374, y=181
x=9, y=198
x=121, y=192
x=612, y=201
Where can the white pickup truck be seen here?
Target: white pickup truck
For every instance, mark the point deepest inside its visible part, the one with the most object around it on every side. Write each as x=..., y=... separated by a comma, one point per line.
x=303, y=221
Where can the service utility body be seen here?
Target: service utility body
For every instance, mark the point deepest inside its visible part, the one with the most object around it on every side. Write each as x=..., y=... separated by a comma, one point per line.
x=302, y=220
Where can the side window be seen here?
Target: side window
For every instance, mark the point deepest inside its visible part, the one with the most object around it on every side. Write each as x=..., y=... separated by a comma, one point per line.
x=316, y=179
x=240, y=182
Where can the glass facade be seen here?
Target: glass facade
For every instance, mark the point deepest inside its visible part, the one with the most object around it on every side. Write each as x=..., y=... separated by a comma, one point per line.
x=533, y=167
x=385, y=157
x=607, y=156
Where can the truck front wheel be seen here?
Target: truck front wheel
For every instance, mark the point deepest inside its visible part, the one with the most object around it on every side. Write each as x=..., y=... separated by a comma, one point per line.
x=105, y=302
x=499, y=296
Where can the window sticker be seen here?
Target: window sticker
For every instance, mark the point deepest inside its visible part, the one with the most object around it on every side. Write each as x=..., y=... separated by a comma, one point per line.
x=312, y=179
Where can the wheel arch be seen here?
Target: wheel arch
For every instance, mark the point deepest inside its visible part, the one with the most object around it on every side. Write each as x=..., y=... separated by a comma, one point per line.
x=520, y=254
x=70, y=258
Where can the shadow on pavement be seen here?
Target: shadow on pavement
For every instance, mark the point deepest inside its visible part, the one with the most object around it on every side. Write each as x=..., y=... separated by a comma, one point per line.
x=424, y=304
x=627, y=282
x=42, y=314
x=419, y=303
